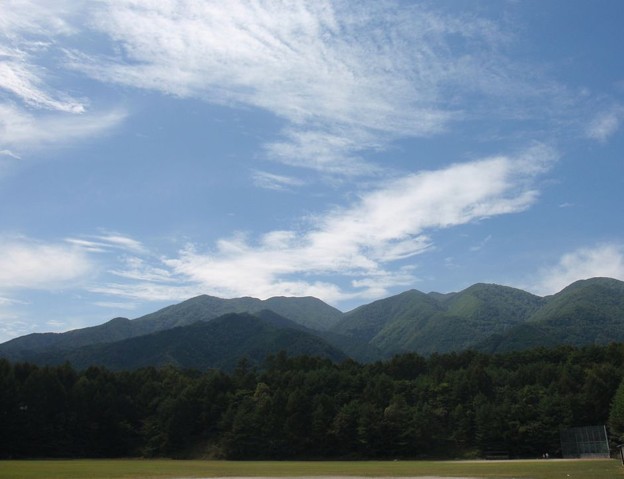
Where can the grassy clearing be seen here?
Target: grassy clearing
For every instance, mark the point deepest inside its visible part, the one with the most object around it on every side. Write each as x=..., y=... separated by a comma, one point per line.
x=163, y=469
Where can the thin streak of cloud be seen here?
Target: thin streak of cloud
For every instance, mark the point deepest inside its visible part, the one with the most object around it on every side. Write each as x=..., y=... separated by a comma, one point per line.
x=10, y=154
x=107, y=242
x=271, y=181
x=19, y=79
x=481, y=244
x=8, y=301
x=137, y=269
x=24, y=131
x=122, y=242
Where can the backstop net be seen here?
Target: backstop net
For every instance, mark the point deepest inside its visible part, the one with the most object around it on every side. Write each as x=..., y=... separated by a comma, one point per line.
x=581, y=442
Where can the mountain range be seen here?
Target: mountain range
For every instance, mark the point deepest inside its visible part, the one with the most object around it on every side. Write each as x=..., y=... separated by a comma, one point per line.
x=209, y=332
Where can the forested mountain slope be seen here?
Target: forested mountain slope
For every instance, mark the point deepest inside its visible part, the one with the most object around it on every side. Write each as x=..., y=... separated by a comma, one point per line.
x=586, y=312
x=203, y=345
x=307, y=311
x=427, y=323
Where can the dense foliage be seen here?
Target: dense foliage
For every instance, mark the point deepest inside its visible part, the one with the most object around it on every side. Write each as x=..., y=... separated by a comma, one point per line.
x=304, y=407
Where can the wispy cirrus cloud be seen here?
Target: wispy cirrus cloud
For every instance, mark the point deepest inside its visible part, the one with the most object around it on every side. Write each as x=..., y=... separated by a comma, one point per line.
x=345, y=80
x=21, y=130
x=107, y=242
x=10, y=154
x=272, y=181
x=37, y=19
x=28, y=29
x=22, y=79
x=34, y=112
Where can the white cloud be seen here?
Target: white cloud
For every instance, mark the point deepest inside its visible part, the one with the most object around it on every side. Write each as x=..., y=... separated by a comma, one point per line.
x=21, y=79
x=25, y=263
x=137, y=269
x=271, y=181
x=40, y=115
x=122, y=242
x=37, y=17
x=348, y=252
x=345, y=79
x=106, y=242
x=24, y=131
x=605, y=124
x=605, y=260
x=10, y=154
x=393, y=222
x=4, y=301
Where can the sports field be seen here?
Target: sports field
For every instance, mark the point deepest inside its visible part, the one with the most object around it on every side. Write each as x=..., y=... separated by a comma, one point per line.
x=172, y=469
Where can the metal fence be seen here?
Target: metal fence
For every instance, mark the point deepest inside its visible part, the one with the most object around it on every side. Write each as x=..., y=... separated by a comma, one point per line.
x=581, y=442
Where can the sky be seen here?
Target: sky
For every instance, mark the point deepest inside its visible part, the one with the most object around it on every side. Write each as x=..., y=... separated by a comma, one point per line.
x=155, y=150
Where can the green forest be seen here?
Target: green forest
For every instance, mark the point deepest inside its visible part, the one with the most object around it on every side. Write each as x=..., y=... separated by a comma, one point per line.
x=442, y=406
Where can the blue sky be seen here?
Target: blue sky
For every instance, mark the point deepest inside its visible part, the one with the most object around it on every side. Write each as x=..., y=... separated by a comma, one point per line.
x=155, y=150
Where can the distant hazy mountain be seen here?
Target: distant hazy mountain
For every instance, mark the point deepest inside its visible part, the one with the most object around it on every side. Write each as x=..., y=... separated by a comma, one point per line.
x=307, y=311
x=486, y=317
x=219, y=343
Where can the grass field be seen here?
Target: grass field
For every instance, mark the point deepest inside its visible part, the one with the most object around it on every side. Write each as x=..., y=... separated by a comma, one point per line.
x=157, y=469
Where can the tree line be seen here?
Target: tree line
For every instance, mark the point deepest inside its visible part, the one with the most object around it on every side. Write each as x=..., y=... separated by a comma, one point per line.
x=446, y=405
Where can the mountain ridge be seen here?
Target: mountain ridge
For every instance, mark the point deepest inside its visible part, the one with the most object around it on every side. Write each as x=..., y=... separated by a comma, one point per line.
x=201, y=345
x=485, y=317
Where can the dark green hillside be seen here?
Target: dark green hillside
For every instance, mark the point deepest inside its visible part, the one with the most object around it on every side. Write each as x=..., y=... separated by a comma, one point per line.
x=519, y=338
x=408, y=325
x=586, y=312
x=366, y=322
x=309, y=312
x=471, y=316
x=487, y=304
x=200, y=308
x=428, y=323
x=220, y=343
x=597, y=297
x=23, y=347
